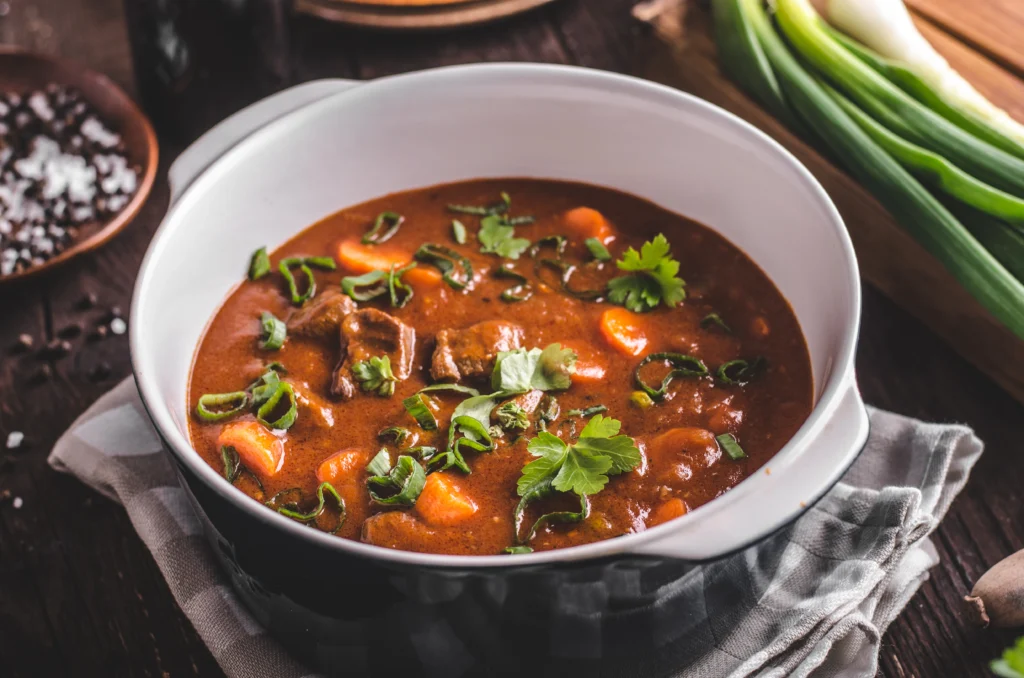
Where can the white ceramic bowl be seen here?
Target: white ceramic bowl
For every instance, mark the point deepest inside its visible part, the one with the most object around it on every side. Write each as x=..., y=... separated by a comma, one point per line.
x=283, y=164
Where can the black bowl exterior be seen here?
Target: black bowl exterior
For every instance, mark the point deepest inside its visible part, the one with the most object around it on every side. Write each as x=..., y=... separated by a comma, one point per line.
x=348, y=615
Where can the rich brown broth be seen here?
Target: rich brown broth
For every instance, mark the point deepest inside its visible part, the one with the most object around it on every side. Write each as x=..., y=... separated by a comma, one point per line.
x=683, y=465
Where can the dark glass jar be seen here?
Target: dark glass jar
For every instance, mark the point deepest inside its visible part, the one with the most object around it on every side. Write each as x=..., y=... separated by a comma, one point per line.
x=198, y=61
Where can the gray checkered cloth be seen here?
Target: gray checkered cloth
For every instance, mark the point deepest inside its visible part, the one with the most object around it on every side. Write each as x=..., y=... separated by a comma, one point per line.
x=818, y=595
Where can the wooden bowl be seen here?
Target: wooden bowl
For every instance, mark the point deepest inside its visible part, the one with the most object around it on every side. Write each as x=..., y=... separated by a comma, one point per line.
x=410, y=15
x=22, y=71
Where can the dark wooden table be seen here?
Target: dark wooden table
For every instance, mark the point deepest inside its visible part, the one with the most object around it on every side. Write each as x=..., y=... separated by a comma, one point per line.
x=80, y=595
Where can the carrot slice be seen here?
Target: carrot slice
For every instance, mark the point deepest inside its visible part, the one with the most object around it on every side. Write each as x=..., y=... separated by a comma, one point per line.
x=586, y=222
x=259, y=450
x=441, y=502
x=621, y=329
x=666, y=511
x=341, y=467
x=359, y=258
x=589, y=368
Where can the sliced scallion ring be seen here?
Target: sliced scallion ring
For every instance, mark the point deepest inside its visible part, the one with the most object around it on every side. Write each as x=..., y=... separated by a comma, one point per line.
x=365, y=287
x=497, y=208
x=728, y=442
x=456, y=388
x=259, y=264
x=459, y=231
x=682, y=366
x=416, y=406
x=274, y=332
x=521, y=291
x=714, y=320
x=401, y=293
x=218, y=406
x=285, y=421
x=401, y=486
x=447, y=261
x=597, y=249
x=738, y=372
x=378, y=233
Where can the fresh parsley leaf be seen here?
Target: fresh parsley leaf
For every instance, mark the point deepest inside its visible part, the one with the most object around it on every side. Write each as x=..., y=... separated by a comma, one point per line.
x=524, y=370
x=497, y=236
x=582, y=467
x=1011, y=664
x=375, y=375
x=653, y=278
x=512, y=417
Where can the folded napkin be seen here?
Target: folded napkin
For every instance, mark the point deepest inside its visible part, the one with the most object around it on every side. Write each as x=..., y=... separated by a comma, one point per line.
x=820, y=593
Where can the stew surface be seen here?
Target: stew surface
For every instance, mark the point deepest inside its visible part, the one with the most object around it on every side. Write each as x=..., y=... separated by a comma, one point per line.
x=565, y=444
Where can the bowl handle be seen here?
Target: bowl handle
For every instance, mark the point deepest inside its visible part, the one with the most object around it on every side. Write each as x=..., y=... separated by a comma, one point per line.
x=229, y=132
x=847, y=429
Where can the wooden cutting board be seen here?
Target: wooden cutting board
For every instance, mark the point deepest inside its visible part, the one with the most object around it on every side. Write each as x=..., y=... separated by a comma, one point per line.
x=415, y=14
x=685, y=57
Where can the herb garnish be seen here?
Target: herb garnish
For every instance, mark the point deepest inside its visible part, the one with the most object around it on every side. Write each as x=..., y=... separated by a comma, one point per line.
x=459, y=231
x=521, y=291
x=448, y=261
x=497, y=208
x=259, y=264
x=682, y=366
x=273, y=332
x=291, y=509
x=265, y=394
x=375, y=375
x=398, y=486
x=582, y=468
x=303, y=264
x=653, y=278
x=714, y=320
x=524, y=370
x=497, y=236
x=375, y=237
x=739, y=372
x=378, y=283
x=728, y=442
x=597, y=249
x=512, y=417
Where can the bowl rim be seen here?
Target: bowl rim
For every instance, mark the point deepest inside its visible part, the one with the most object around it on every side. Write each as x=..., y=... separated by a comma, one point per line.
x=837, y=381
x=146, y=181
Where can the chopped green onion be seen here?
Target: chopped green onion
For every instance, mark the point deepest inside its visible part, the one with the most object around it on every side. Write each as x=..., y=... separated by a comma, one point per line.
x=263, y=388
x=597, y=249
x=557, y=242
x=274, y=332
x=395, y=285
x=521, y=291
x=587, y=412
x=445, y=260
x=739, y=371
x=259, y=264
x=401, y=486
x=474, y=432
x=566, y=271
x=276, y=366
x=399, y=433
x=375, y=237
x=520, y=221
x=426, y=452
x=232, y=464
x=497, y=208
x=380, y=465
x=291, y=511
x=456, y=388
x=458, y=231
x=682, y=366
x=236, y=402
x=303, y=264
x=552, y=518
x=728, y=443
x=285, y=421
x=416, y=406
x=365, y=287
x=714, y=320
x=517, y=550
x=640, y=399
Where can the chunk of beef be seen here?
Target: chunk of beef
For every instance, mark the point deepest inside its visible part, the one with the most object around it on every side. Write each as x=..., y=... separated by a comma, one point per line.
x=321, y=317
x=369, y=333
x=471, y=352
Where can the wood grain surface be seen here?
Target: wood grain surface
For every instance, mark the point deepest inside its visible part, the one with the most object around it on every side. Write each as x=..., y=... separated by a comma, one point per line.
x=80, y=595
